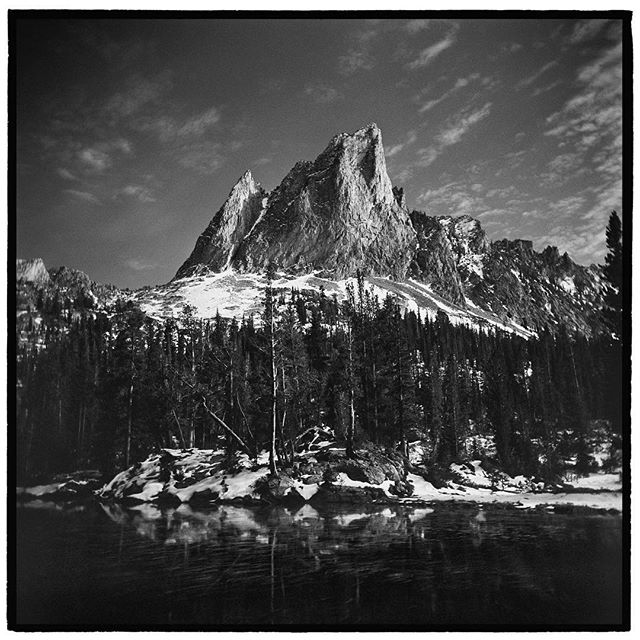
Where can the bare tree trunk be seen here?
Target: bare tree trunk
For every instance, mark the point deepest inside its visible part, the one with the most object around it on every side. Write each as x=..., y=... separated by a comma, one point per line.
x=274, y=408
x=352, y=414
x=127, y=457
x=179, y=428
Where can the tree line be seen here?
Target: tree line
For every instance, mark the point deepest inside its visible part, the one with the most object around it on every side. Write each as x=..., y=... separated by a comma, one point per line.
x=106, y=389
x=103, y=389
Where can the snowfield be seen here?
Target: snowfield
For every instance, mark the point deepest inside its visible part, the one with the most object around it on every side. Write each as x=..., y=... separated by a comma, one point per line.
x=233, y=294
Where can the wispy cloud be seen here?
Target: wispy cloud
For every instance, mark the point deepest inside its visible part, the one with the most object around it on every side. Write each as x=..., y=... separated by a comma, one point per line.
x=94, y=159
x=452, y=132
x=322, y=93
x=65, y=174
x=143, y=194
x=203, y=157
x=415, y=26
x=140, y=265
x=355, y=60
x=99, y=157
x=586, y=30
x=139, y=92
x=459, y=84
x=545, y=88
x=397, y=148
x=198, y=124
x=457, y=129
x=589, y=125
x=529, y=80
x=85, y=196
x=168, y=127
x=429, y=54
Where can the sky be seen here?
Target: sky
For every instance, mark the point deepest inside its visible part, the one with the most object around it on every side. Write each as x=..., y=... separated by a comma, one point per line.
x=131, y=133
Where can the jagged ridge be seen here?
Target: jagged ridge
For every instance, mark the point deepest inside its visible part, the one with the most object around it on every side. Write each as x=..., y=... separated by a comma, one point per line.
x=340, y=215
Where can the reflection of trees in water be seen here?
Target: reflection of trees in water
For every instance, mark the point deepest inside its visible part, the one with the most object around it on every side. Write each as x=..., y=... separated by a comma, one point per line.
x=448, y=566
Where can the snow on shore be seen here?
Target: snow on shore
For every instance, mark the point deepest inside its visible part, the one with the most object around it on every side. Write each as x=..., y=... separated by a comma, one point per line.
x=425, y=491
x=201, y=476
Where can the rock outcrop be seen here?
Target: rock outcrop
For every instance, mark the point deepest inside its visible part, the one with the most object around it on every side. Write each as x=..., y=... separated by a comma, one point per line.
x=33, y=271
x=218, y=243
x=539, y=290
x=337, y=215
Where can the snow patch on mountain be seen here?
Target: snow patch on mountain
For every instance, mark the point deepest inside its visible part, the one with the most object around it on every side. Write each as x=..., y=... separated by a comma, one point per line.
x=238, y=295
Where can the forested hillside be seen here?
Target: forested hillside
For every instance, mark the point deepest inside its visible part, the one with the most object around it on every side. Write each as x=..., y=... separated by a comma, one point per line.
x=103, y=388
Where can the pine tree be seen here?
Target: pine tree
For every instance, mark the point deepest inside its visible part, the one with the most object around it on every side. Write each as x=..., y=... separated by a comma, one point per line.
x=613, y=273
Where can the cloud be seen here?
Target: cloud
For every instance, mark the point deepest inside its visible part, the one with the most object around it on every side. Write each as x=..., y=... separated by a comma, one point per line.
x=529, y=80
x=511, y=47
x=140, y=92
x=459, y=84
x=139, y=265
x=545, y=88
x=143, y=194
x=353, y=61
x=167, y=128
x=198, y=124
x=611, y=59
x=65, y=174
x=83, y=195
x=586, y=30
x=415, y=26
x=395, y=149
x=203, y=157
x=451, y=133
x=429, y=54
x=98, y=158
x=589, y=125
x=454, y=132
x=321, y=93
x=94, y=159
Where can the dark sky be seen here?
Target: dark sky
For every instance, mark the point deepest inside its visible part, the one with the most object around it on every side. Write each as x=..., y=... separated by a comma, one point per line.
x=131, y=133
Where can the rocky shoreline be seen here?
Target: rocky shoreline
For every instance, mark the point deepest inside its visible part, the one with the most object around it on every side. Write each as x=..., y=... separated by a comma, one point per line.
x=325, y=476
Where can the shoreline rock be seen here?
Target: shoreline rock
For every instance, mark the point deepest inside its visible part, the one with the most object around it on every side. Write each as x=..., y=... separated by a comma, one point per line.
x=200, y=477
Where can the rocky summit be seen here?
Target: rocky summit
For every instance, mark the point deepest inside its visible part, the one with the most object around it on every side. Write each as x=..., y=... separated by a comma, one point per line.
x=336, y=215
x=339, y=216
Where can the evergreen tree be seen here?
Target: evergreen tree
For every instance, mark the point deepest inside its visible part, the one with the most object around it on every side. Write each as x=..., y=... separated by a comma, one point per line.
x=613, y=273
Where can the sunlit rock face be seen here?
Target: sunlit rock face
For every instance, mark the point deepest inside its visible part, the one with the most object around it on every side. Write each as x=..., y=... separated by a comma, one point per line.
x=218, y=243
x=538, y=290
x=66, y=278
x=337, y=215
x=32, y=270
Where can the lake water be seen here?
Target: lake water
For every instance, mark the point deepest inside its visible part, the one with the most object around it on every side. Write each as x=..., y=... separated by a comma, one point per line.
x=456, y=565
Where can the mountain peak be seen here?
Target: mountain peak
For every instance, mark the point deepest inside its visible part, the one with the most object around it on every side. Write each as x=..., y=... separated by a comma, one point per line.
x=219, y=242
x=337, y=214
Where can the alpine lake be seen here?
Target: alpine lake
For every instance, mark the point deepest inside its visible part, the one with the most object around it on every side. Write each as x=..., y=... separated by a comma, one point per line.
x=93, y=565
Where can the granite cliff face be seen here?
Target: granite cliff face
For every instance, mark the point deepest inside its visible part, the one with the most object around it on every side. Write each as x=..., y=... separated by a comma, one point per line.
x=335, y=215
x=540, y=290
x=218, y=243
x=33, y=271
x=339, y=215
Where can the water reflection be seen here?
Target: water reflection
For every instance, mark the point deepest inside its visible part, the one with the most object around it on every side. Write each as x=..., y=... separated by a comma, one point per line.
x=239, y=565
